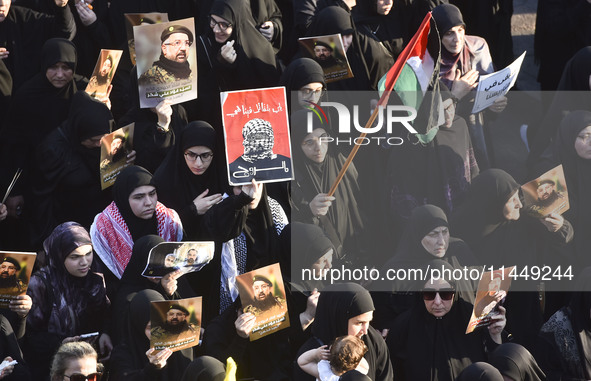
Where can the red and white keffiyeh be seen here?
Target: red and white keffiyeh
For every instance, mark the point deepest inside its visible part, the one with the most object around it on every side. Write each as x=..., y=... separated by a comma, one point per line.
x=112, y=240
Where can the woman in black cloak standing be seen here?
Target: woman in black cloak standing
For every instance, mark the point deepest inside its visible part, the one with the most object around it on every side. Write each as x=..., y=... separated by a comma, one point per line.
x=232, y=55
x=368, y=58
x=429, y=341
x=190, y=179
x=426, y=238
x=68, y=184
x=316, y=168
x=563, y=349
x=489, y=221
x=573, y=93
x=38, y=107
x=347, y=309
x=133, y=359
x=388, y=21
x=572, y=148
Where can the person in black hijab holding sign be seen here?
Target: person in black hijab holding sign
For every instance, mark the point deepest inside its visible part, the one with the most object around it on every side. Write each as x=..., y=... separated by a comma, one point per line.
x=232, y=55
x=429, y=341
x=67, y=183
x=490, y=222
x=134, y=359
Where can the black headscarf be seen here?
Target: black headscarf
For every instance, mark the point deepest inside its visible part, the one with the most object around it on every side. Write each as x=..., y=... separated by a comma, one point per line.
x=480, y=371
x=298, y=74
x=137, y=343
x=580, y=305
x=38, y=107
x=310, y=243
x=577, y=172
x=515, y=362
x=412, y=254
x=430, y=348
x=336, y=305
x=205, y=368
x=255, y=64
x=177, y=184
x=482, y=211
x=87, y=118
x=333, y=20
x=573, y=93
x=447, y=16
x=80, y=301
x=313, y=178
x=393, y=29
x=127, y=181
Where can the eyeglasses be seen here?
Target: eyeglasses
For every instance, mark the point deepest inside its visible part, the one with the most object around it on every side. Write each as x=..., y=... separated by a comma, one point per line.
x=223, y=25
x=307, y=91
x=586, y=138
x=177, y=44
x=80, y=377
x=444, y=294
x=204, y=156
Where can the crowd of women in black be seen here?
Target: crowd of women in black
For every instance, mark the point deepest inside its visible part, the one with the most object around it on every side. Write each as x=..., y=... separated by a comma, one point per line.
x=439, y=201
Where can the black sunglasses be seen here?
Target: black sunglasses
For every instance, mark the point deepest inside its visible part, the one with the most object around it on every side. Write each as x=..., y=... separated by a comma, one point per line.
x=444, y=294
x=80, y=377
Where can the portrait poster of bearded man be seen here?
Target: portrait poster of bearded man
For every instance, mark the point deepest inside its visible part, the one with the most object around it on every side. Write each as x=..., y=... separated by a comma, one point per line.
x=15, y=273
x=547, y=194
x=330, y=52
x=169, y=70
x=262, y=293
x=175, y=324
x=256, y=132
x=114, y=150
x=102, y=76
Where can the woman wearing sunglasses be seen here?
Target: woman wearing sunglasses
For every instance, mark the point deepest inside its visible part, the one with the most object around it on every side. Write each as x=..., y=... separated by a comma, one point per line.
x=427, y=237
x=428, y=342
x=75, y=361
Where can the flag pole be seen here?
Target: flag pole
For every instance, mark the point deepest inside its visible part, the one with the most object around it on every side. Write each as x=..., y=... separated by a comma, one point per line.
x=397, y=69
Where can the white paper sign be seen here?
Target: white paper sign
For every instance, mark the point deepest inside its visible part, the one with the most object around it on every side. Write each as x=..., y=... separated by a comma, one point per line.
x=493, y=86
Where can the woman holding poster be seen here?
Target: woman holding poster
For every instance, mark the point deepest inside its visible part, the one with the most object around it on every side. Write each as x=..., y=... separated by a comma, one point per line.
x=463, y=59
x=429, y=341
x=232, y=55
x=134, y=213
x=133, y=359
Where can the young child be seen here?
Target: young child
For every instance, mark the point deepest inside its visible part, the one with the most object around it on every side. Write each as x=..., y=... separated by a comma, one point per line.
x=345, y=354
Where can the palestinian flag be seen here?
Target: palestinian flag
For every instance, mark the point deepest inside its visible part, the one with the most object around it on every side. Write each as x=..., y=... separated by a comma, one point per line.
x=414, y=78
